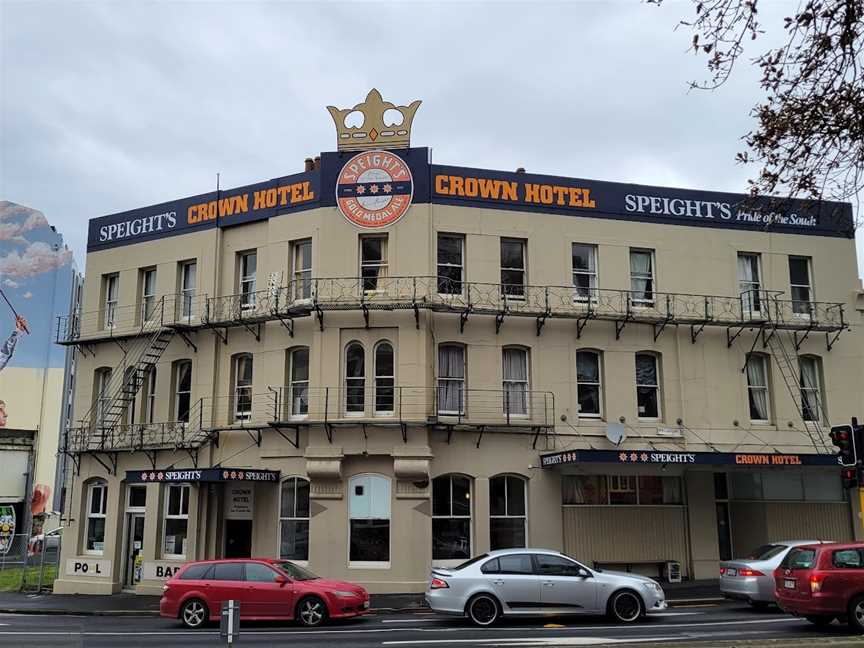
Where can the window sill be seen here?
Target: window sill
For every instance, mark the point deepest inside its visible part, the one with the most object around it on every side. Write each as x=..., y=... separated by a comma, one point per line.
x=368, y=565
x=173, y=557
x=89, y=552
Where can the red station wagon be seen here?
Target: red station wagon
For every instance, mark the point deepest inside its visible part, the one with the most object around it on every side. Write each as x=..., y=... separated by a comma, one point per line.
x=822, y=583
x=266, y=589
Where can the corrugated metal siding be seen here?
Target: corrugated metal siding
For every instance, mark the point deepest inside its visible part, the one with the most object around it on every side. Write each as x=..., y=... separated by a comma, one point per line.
x=623, y=534
x=756, y=523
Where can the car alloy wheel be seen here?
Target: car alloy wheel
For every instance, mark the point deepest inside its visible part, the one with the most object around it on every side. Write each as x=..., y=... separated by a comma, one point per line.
x=626, y=607
x=311, y=612
x=483, y=610
x=194, y=613
x=856, y=613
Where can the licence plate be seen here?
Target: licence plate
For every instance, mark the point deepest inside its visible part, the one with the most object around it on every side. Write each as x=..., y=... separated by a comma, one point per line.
x=731, y=572
x=790, y=583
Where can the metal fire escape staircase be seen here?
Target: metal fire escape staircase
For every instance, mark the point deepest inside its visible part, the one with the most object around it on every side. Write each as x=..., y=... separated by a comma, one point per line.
x=787, y=363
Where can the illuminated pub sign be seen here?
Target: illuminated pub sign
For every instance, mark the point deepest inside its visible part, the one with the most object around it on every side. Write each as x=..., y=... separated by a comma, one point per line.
x=178, y=475
x=375, y=177
x=660, y=457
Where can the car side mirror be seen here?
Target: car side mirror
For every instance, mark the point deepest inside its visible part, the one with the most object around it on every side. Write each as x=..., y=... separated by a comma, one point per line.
x=281, y=580
x=584, y=573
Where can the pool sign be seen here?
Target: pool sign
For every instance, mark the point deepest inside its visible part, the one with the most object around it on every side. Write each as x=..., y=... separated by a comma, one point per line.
x=374, y=189
x=88, y=568
x=7, y=528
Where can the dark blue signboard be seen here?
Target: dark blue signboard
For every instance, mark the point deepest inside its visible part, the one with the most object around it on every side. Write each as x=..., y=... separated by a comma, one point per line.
x=177, y=475
x=660, y=457
x=466, y=187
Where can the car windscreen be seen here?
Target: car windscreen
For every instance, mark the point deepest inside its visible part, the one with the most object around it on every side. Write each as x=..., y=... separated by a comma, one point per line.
x=765, y=552
x=799, y=559
x=469, y=562
x=296, y=571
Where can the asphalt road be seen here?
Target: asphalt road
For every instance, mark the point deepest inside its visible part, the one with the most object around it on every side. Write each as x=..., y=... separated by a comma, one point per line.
x=686, y=626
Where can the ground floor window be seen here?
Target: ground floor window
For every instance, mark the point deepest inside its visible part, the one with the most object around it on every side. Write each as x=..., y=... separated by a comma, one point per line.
x=508, y=516
x=369, y=513
x=595, y=490
x=176, y=520
x=787, y=485
x=451, y=517
x=97, y=505
x=294, y=519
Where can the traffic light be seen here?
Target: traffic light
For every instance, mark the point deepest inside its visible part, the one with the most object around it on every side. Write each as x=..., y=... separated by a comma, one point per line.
x=850, y=478
x=843, y=437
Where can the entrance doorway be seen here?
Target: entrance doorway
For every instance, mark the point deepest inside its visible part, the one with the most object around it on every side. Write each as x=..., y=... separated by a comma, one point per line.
x=134, y=547
x=238, y=538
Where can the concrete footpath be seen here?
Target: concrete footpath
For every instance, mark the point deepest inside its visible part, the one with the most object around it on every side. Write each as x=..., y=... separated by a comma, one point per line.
x=678, y=594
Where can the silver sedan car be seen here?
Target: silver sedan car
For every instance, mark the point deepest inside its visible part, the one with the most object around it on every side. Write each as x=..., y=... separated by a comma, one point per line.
x=533, y=582
x=751, y=578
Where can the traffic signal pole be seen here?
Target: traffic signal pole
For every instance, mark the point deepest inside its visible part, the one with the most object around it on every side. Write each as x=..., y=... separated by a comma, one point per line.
x=849, y=441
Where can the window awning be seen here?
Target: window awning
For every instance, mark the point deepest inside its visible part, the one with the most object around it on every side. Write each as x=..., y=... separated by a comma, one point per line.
x=175, y=475
x=654, y=457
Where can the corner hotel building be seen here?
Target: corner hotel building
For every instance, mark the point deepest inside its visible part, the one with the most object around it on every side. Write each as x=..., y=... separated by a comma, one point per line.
x=380, y=364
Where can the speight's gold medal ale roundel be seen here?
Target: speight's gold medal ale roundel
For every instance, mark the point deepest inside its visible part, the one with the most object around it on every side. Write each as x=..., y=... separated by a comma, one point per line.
x=374, y=189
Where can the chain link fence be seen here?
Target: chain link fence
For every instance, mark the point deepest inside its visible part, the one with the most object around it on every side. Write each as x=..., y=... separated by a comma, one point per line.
x=31, y=564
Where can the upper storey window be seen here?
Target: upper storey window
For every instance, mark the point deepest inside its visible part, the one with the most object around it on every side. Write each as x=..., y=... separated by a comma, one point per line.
x=642, y=283
x=749, y=285
x=451, y=264
x=248, y=269
x=513, y=272
x=584, y=259
x=373, y=262
x=799, y=282
x=302, y=263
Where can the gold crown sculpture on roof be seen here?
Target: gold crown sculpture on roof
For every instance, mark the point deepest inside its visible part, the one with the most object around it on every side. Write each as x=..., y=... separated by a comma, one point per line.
x=373, y=132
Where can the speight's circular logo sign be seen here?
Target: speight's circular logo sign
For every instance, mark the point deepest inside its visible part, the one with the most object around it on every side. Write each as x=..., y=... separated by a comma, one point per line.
x=374, y=189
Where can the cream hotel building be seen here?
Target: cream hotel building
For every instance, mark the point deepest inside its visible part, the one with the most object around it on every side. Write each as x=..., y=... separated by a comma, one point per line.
x=381, y=363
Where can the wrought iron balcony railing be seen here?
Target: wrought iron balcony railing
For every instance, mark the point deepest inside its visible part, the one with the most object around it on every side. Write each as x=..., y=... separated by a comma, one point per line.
x=316, y=296
x=448, y=406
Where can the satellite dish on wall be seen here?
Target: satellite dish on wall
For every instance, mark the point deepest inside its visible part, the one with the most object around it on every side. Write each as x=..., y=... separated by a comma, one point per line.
x=616, y=433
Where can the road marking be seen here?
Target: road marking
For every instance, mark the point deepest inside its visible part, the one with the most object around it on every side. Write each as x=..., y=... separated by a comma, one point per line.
x=673, y=614
x=408, y=620
x=529, y=641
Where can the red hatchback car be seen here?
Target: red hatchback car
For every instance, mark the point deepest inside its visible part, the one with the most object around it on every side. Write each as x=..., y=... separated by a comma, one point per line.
x=266, y=589
x=822, y=583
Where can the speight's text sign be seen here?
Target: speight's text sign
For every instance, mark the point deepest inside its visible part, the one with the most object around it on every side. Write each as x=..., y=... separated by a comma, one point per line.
x=660, y=457
x=175, y=475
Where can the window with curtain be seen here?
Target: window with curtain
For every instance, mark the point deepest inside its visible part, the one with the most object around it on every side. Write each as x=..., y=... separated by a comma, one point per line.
x=647, y=386
x=385, y=379
x=188, y=288
x=508, y=517
x=298, y=381
x=757, y=387
x=103, y=395
x=355, y=379
x=451, y=517
x=149, y=414
x=748, y=282
x=369, y=513
x=294, y=519
x=515, y=381
x=811, y=388
x=799, y=282
x=450, y=264
x=513, y=268
x=451, y=379
x=247, y=276
x=243, y=387
x=302, y=269
x=373, y=261
x=111, y=289
x=176, y=520
x=148, y=294
x=584, y=260
x=182, y=390
x=588, y=384
x=97, y=506
x=642, y=277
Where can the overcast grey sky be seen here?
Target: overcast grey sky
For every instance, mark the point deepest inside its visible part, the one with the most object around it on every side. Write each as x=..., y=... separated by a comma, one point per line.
x=108, y=106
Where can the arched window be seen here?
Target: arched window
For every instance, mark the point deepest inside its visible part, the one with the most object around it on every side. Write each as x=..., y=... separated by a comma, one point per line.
x=355, y=379
x=369, y=513
x=385, y=378
x=508, y=512
x=96, y=504
x=515, y=385
x=294, y=519
x=242, y=387
x=451, y=517
x=182, y=380
x=648, y=385
x=298, y=382
x=451, y=379
x=757, y=388
x=589, y=387
x=810, y=377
